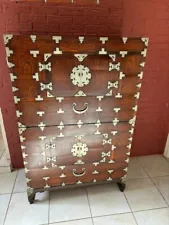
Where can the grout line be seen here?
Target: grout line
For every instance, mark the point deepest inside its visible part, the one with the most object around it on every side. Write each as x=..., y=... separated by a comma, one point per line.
x=167, y=159
x=123, y=213
x=10, y=199
x=130, y=207
x=2, y=153
x=159, y=191
x=49, y=209
x=151, y=178
x=142, y=178
x=66, y=221
x=89, y=206
x=141, y=165
x=165, y=207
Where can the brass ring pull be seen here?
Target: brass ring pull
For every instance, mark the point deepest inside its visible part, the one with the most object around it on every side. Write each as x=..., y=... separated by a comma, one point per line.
x=80, y=174
x=80, y=111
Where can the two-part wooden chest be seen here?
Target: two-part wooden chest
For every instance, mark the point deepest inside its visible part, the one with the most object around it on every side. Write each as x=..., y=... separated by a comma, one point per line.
x=76, y=102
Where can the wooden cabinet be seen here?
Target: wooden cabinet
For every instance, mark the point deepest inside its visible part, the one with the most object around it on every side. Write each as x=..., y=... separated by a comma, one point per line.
x=76, y=102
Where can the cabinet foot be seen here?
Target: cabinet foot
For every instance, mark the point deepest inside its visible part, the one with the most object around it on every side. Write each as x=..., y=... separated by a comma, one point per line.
x=31, y=198
x=121, y=186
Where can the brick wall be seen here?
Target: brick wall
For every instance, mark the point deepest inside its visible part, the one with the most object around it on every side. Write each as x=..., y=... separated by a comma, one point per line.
x=110, y=17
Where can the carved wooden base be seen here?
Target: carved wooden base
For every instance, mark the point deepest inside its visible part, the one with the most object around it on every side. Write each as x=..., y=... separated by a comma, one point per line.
x=32, y=192
x=31, y=198
x=121, y=186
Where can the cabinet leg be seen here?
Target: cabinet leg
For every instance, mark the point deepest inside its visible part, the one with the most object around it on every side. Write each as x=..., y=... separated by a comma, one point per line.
x=31, y=198
x=121, y=186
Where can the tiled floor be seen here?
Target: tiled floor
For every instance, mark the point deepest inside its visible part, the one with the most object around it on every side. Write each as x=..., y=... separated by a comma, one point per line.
x=144, y=202
x=4, y=163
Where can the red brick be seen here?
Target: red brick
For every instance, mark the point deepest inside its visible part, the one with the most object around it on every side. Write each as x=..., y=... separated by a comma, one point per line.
x=77, y=11
x=140, y=18
x=25, y=18
x=40, y=19
x=97, y=12
x=79, y=29
x=43, y=9
x=77, y=20
x=90, y=29
x=83, y=2
x=90, y=20
x=23, y=8
x=53, y=19
x=115, y=4
x=65, y=11
x=45, y=28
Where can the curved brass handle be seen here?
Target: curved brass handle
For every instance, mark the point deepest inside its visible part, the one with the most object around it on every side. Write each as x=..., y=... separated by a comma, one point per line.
x=80, y=111
x=80, y=174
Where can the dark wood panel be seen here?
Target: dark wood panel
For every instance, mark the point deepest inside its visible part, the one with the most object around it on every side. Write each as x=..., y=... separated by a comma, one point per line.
x=71, y=130
x=46, y=148
x=69, y=175
x=53, y=112
x=76, y=100
x=67, y=44
x=64, y=79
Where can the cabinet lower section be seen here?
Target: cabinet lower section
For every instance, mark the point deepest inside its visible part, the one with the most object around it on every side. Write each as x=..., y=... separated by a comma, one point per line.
x=32, y=192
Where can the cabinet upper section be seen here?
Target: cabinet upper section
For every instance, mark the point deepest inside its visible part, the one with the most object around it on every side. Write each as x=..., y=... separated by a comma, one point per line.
x=75, y=78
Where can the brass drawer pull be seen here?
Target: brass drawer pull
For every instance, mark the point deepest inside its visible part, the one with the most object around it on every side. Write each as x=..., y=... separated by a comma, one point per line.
x=80, y=111
x=80, y=174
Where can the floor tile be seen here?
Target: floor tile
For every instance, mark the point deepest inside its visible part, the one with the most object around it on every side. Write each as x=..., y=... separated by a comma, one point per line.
x=106, y=200
x=69, y=205
x=121, y=219
x=7, y=181
x=20, y=212
x=162, y=183
x=3, y=160
x=5, y=169
x=155, y=165
x=4, y=201
x=20, y=184
x=2, y=146
x=1, y=151
x=135, y=170
x=142, y=195
x=153, y=217
x=76, y=222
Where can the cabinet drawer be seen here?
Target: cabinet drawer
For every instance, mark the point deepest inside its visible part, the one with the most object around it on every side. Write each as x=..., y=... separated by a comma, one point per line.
x=69, y=175
x=47, y=149
x=67, y=76
x=72, y=110
x=74, y=44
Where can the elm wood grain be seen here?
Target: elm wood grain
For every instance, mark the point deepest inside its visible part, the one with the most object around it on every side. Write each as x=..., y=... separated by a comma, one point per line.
x=36, y=161
x=62, y=64
x=48, y=159
x=29, y=89
x=37, y=175
x=71, y=130
x=38, y=154
x=51, y=116
x=91, y=44
x=26, y=66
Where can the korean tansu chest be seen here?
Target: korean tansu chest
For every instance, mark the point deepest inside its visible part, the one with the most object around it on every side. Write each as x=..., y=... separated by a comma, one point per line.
x=76, y=102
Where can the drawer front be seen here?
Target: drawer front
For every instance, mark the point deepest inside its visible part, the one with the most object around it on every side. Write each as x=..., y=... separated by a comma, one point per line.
x=76, y=111
x=73, y=44
x=71, y=175
x=51, y=147
x=64, y=75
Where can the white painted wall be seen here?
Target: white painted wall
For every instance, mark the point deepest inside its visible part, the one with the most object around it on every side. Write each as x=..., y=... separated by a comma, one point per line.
x=166, y=152
x=4, y=138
